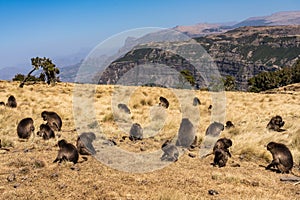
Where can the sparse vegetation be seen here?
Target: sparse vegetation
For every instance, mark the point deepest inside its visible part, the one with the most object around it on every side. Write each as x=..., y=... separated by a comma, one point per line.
x=269, y=80
x=36, y=177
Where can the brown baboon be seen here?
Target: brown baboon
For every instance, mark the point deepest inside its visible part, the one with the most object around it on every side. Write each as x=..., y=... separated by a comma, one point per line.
x=46, y=132
x=221, y=151
x=53, y=120
x=11, y=102
x=276, y=123
x=229, y=124
x=171, y=152
x=214, y=129
x=25, y=128
x=282, y=157
x=124, y=108
x=84, y=143
x=196, y=101
x=163, y=102
x=67, y=152
x=186, y=133
x=136, y=132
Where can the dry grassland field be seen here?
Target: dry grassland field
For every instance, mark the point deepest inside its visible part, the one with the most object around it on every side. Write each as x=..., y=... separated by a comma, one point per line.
x=28, y=171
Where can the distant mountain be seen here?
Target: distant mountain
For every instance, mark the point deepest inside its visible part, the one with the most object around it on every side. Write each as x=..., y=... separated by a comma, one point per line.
x=242, y=53
x=279, y=18
x=202, y=29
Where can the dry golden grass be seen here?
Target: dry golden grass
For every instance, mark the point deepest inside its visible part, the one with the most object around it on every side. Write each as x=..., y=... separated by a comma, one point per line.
x=36, y=177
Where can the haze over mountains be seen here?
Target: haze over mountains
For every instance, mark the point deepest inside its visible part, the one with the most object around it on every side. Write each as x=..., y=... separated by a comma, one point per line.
x=70, y=64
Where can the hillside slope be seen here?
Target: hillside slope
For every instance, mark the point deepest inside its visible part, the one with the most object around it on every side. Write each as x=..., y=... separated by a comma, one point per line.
x=36, y=177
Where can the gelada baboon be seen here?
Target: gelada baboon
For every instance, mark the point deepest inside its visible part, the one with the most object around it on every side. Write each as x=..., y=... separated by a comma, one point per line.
x=53, y=120
x=84, y=143
x=11, y=102
x=282, y=157
x=196, y=101
x=229, y=124
x=25, y=128
x=171, y=152
x=46, y=132
x=163, y=102
x=136, y=132
x=66, y=152
x=276, y=123
x=214, y=129
x=124, y=108
x=186, y=133
x=221, y=151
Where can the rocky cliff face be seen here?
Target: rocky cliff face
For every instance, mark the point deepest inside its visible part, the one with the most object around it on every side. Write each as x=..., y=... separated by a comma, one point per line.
x=241, y=53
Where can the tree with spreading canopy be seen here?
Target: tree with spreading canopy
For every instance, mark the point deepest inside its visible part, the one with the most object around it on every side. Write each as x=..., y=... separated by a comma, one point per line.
x=50, y=71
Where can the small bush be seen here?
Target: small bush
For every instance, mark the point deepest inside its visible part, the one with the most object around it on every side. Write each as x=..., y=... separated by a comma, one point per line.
x=108, y=118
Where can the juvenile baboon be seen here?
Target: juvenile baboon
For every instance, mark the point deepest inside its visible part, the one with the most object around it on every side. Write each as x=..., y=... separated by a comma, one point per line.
x=221, y=151
x=282, y=157
x=2, y=103
x=67, y=152
x=171, y=152
x=229, y=124
x=124, y=108
x=186, y=133
x=84, y=143
x=25, y=128
x=53, y=120
x=46, y=132
x=11, y=102
x=196, y=101
x=136, y=132
x=214, y=129
x=276, y=123
x=163, y=102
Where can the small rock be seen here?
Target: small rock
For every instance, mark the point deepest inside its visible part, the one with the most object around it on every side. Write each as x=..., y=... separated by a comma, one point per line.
x=235, y=165
x=17, y=185
x=213, y=192
x=255, y=183
x=192, y=155
x=11, y=177
x=76, y=168
x=54, y=176
x=143, y=149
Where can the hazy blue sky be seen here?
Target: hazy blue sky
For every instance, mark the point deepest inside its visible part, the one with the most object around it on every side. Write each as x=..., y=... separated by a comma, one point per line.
x=52, y=28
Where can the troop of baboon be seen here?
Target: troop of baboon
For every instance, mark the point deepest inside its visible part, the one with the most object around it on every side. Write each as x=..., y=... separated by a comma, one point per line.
x=186, y=138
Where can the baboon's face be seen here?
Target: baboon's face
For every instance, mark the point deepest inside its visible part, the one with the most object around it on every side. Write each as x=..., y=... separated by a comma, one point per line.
x=44, y=116
x=62, y=143
x=228, y=143
x=270, y=146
